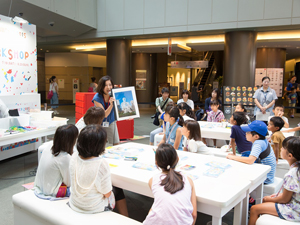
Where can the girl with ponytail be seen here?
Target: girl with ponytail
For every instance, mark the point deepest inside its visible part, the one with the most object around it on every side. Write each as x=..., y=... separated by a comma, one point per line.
x=174, y=193
x=186, y=111
x=285, y=205
x=174, y=121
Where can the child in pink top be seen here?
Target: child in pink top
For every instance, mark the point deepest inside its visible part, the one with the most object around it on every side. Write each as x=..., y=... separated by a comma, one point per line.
x=174, y=193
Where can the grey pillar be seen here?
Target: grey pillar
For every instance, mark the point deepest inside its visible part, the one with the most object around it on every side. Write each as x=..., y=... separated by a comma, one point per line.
x=145, y=61
x=118, y=60
x=239, y=58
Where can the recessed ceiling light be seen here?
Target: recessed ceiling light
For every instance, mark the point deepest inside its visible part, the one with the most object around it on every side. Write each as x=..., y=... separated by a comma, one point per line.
x=41, y=49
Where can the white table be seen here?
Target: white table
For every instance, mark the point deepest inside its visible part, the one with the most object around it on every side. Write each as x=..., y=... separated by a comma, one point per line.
x=221, y=132
x=13, y=138
x=215, y=196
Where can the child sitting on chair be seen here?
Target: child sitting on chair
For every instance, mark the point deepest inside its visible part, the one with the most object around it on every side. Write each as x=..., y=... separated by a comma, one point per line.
x=94, y=115
x=174, y=121
x=91, y=185
x=285, y=205
x=238, y=136
x=275, y=124
x=174, y=193
x=215, y=115
x=53, y=176
x=193, y=143
x=279, y=111
x=256, y=133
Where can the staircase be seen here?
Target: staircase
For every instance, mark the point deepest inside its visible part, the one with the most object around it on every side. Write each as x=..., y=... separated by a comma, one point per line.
x=207, y=70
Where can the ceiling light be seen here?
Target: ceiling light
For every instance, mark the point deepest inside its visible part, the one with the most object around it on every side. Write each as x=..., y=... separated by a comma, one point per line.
x=17, y=19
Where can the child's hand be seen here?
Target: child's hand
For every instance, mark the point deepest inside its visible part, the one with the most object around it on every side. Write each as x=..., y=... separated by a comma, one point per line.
x=267, y=199
x=230, y=156
x=280, y=114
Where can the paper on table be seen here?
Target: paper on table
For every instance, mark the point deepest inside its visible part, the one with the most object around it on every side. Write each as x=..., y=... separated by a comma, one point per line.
x=262, y=117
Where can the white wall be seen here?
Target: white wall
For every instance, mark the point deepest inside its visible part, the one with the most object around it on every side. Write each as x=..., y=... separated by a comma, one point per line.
x=83, y=11
x=132, y=17
x=74, y=59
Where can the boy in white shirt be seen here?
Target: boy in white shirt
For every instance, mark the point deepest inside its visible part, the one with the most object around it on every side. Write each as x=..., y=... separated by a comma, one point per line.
x=279, y=111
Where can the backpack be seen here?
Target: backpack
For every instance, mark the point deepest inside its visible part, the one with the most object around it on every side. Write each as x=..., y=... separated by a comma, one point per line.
x=200, y=115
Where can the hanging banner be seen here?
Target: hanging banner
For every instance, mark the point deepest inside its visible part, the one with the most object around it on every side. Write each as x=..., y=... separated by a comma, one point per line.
x=18, y=62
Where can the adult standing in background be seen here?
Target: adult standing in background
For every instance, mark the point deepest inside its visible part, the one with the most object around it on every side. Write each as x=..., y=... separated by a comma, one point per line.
x=54, y=100
x=264, y=98
x=102, y=99
x=214, y=96
x=93, y=85
x=185, y=98
x=161, y=101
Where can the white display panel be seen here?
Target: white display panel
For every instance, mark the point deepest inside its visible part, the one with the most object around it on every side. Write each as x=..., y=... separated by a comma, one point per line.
x=18, y=57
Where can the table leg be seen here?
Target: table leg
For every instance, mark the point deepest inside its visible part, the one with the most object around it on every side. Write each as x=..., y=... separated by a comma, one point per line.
x=237, y=216
x=216, y=221
x=259, y=194
x=245, y=206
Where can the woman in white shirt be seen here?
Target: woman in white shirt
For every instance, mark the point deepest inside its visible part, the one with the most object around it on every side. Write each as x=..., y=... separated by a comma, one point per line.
x=185, y=98
x=53, y=169
x=186, y=111
x=54, y=88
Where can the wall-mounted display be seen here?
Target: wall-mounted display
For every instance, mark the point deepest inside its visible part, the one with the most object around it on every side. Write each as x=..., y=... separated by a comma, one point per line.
x=18, y=62
x=140, y=79
x=174, y=91
x=238, y=94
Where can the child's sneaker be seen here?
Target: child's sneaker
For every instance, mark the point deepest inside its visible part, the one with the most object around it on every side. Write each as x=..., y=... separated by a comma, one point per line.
x=292, y=116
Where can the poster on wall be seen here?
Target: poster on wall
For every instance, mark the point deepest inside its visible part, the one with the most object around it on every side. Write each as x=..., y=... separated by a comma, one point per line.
x=239, y=94
x=174, y=91
x=276, y=78
x=140, y=80
x=18, y=58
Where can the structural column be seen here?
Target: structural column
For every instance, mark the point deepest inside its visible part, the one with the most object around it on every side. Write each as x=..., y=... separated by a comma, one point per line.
x=239, y=58
x=118, y=60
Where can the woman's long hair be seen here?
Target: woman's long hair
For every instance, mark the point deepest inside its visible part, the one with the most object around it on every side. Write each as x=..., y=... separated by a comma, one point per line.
x=166, y=159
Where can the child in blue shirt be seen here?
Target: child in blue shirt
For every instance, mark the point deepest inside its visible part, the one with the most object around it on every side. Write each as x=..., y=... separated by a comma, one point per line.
x=238, y=136
x=173, y=135
x=256, y=133
x=292, y=101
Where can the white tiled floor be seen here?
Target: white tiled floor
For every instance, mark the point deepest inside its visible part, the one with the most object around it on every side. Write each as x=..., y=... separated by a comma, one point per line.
x=16, y=171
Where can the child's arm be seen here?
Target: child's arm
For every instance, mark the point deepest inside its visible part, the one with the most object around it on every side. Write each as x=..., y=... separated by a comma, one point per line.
x=150, y=182
x=283, y=198
x=276, y=150
x=291, y=130
x=164, y=127
x=107, y=195
x=163, y=140
x=178, y=138
x=248, y=160
x=193, y=200
x=286, y=124
x=232, y=143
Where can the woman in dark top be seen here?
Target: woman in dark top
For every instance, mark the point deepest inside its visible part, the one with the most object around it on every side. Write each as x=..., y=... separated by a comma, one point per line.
x=102, y=99
x=214, y=96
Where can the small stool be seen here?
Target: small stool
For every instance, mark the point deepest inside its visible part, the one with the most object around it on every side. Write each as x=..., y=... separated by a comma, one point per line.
x=273, y=220
x=273, y=188
x=157, y=139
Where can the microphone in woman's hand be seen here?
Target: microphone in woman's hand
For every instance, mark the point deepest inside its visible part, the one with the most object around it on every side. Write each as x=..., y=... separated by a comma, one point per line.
x=110, y=94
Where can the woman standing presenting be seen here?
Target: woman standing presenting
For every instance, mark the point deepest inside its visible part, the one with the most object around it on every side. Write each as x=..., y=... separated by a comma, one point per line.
x=102, y=99
x=54, y=88
x=264, y=98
